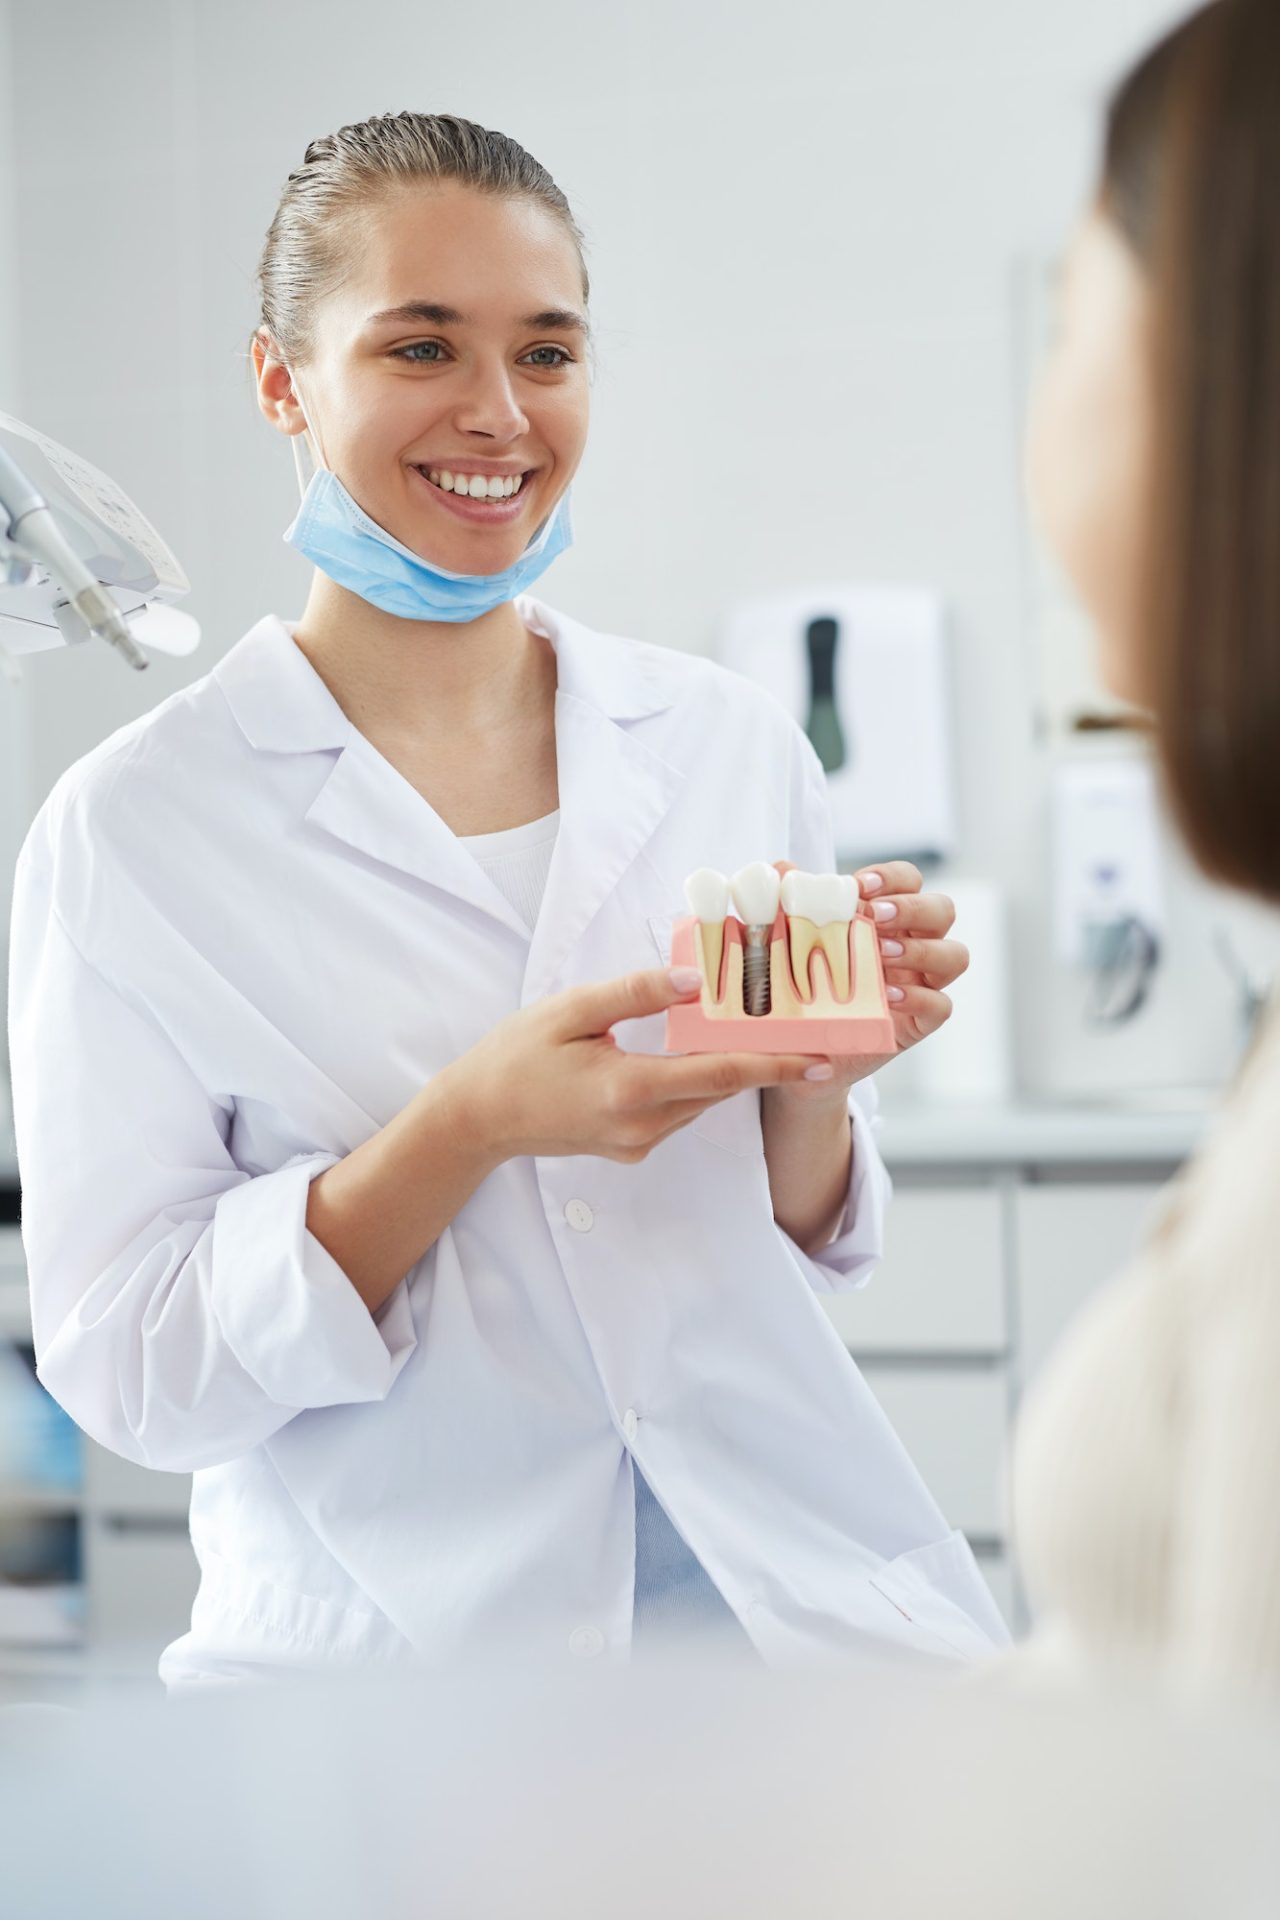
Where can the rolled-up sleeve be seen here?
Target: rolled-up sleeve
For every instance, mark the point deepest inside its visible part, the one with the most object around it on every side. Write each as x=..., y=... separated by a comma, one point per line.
x=182, y=1312
x=851, y=1257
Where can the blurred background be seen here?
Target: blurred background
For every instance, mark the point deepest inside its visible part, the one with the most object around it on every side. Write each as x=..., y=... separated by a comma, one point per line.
x=823, y=248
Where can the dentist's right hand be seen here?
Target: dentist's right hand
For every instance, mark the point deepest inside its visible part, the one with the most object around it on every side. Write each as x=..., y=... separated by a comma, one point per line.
x=551, y=1079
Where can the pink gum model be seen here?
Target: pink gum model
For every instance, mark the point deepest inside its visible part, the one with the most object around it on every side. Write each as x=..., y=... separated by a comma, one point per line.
x=816, y=1022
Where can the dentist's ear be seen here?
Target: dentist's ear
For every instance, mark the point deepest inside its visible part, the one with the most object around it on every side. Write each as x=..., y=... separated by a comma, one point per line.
x=277, y=399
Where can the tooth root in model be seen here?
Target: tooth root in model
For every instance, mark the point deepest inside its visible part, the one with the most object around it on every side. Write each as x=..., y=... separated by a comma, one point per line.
x=819, y=908
x=755, y=890
x=707, y=893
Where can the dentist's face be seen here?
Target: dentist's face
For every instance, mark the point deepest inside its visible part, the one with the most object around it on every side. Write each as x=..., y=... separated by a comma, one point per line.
x=1089, y=444
x=454, y=351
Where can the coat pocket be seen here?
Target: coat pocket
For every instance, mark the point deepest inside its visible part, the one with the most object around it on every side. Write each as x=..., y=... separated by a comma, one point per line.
x=940, y=1590
x=733, y=1123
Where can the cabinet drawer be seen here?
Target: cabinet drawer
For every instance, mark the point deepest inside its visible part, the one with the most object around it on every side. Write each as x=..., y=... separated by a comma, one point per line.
x=141, y=1583
x=952, y=1421
x=1072, y=1239
x=940, y=1287
x=113, y=1486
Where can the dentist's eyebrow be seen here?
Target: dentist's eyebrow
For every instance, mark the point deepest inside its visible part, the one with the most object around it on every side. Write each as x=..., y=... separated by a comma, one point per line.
x=429, y=313
x=556, y=320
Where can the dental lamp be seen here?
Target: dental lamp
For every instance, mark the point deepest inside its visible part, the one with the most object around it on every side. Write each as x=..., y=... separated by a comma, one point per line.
x=78, y=559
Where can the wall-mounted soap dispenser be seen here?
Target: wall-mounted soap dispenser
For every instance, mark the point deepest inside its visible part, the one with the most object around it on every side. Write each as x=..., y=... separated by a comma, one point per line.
x=863, y=670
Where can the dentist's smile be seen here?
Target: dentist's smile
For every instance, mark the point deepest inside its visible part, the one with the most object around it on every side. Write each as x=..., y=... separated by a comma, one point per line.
x=484, y=499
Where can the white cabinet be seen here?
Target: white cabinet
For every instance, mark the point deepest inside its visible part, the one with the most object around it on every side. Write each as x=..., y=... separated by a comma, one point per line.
x=1002, y=1225
x=1070, y=1240
x=953, y=1422
x=141, y=1581
x=940, y=1288
x=113, y=1486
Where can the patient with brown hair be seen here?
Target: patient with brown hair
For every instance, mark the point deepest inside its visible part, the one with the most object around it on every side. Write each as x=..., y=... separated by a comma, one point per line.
x=1147, y=1469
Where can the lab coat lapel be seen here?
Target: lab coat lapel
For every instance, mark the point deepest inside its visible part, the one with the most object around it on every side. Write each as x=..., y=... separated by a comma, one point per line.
x=614, y=789
x=615, y=792
x=372, y=807
x=283, y=706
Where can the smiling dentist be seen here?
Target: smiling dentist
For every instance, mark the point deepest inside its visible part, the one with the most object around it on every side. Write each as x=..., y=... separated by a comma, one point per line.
x=355, y=1179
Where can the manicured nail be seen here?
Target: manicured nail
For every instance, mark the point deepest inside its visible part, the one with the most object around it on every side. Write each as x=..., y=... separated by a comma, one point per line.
x=894, y=993
x=885, y=910
x=892, y=947
x=823, y=1070
x=684, y=979
x=872, y=882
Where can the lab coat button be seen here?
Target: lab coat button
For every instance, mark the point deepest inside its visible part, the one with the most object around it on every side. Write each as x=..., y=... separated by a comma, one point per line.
x=579, y=1216
x=586, y=1642
x=630, y=1422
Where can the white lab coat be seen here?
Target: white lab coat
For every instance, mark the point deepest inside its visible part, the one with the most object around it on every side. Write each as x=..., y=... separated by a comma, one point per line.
x=242, y=942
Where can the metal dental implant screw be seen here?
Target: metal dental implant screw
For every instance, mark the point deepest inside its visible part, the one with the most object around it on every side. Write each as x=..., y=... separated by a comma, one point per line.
x=755, y=895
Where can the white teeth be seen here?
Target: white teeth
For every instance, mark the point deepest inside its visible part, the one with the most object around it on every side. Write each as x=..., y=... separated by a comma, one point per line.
x=708, y=894
x=755, y=893
x=478, y=486
x=819, y=907
x=820, y=897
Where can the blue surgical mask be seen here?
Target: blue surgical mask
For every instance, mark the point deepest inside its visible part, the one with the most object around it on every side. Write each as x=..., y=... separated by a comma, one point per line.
x=337, y=535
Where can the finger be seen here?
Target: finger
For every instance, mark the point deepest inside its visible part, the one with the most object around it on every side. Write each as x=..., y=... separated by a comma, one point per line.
x=919, y=1012
x=929, y=916
x=712, y=1076
x=936, y=962
x=891, y=876
x=593, y=1009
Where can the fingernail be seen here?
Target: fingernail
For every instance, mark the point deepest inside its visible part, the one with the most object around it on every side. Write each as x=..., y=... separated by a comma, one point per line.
x=892, y=947
x=684, y=979
x=885, y=910
x=894, y=993
x=872, y=882
x=822, y=1071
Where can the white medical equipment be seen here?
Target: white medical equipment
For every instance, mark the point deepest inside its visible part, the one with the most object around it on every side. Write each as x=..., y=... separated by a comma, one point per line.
x=77, y=558
x=864, y=671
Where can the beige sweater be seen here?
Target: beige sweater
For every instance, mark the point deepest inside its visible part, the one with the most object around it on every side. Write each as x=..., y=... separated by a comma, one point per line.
x=1146, y=1478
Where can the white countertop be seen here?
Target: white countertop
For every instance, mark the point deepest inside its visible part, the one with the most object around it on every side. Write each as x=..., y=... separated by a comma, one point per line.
x=1161, y=1129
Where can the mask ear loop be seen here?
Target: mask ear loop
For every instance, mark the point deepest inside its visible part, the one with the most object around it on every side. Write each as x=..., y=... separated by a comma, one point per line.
x=304, y=478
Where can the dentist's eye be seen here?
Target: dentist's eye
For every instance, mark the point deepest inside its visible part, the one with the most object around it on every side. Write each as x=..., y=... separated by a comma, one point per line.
x=420, y=353
x=560, y=358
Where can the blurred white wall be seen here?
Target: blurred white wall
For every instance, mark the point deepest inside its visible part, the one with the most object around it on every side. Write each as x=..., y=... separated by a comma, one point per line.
x=805, y=226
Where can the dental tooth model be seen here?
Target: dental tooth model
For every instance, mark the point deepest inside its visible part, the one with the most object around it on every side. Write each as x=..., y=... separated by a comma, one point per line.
x=799, y=971
x=755, y=894
x=708, y=895
x=819, y=907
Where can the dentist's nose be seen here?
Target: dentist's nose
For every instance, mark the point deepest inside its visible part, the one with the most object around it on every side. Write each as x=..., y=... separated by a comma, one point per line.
x=490, y=407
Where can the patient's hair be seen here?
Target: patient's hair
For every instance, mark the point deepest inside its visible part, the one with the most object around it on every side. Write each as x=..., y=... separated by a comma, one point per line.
x=1191, y=177
x=316, y=225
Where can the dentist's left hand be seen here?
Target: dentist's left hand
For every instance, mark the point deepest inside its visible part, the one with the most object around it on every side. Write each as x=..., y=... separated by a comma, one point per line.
x=920, y=962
